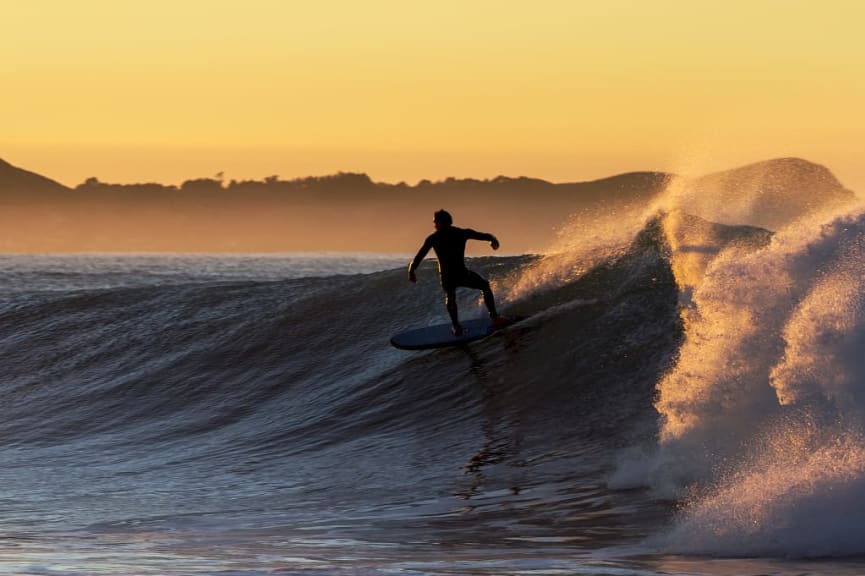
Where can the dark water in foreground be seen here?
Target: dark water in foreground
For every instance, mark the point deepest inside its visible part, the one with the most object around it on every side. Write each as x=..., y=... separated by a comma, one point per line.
x=245, y=415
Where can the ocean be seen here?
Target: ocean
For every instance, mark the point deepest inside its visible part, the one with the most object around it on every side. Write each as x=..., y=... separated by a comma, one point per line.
x=684, y=398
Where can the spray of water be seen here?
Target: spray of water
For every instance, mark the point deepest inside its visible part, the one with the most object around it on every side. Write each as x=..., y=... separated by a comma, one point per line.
x=799, y=490
x=586, y=239
x=762, y=416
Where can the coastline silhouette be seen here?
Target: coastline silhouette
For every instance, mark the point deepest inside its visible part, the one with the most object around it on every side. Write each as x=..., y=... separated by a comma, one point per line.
x=351, y=212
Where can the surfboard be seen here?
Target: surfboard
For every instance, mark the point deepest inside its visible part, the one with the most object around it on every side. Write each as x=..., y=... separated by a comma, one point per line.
x=441, y=336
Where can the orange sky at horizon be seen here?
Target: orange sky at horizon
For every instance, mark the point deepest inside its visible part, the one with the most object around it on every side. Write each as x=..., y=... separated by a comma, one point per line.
x=166, y=90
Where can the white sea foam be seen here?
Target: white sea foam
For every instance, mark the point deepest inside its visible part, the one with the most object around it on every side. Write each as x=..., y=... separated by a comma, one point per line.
x=762, y=416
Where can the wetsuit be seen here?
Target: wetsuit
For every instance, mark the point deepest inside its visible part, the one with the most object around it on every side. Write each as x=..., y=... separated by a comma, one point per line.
x=449, y=244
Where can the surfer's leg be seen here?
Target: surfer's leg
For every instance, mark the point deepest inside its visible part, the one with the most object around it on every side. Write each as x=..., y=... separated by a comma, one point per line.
x=475, y=280
x=451, y=304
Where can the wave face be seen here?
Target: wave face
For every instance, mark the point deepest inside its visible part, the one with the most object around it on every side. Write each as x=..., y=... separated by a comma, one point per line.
x=679, y=387
x=144, y=407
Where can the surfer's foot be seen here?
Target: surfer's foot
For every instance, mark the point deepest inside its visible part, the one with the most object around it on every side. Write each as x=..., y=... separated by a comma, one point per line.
x=457, y=330
x=499, y=320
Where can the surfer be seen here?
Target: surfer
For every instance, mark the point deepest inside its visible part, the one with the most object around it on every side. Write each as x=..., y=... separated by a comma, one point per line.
x=449, y=244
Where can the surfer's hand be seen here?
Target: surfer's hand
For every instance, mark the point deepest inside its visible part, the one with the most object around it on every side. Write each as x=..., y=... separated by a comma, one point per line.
x=411, y=276
x=495, y=243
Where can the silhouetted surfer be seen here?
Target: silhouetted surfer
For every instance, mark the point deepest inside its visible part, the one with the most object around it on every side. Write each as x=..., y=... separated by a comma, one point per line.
x=449, y=244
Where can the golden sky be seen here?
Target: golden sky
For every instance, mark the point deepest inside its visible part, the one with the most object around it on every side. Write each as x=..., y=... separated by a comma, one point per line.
x=565, y=90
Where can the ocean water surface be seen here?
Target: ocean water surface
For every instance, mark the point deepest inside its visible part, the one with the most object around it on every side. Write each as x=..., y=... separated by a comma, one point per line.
x=684, y=398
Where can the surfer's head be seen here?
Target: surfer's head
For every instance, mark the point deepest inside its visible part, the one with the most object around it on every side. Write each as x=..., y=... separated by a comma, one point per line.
x=442, y=219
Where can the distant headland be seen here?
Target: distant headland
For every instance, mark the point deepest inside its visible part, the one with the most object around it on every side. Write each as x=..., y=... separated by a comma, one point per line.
x=350, y=212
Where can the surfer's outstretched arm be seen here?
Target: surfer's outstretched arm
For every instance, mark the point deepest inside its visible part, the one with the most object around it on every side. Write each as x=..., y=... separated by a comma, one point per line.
x=475, y=235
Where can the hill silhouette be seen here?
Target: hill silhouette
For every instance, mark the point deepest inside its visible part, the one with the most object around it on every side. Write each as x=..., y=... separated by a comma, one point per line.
x=16, y=180
x=351, y=212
